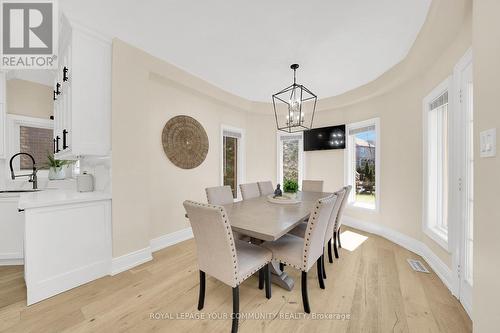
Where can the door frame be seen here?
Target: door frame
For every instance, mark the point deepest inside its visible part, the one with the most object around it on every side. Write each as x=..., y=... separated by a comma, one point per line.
x=457, y=212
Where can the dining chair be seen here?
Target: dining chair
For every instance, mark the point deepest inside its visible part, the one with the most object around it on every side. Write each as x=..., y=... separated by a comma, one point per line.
x=300, y=230
x=221, y=256
x=219, y=195
x=302, y=253
x=223, y=195
x=312, y=186
x=249, y=191
x=266, y=188
x=338, y=223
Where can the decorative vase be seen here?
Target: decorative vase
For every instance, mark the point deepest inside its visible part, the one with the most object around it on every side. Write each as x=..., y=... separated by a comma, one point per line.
x=56, y=173
x=291, y=195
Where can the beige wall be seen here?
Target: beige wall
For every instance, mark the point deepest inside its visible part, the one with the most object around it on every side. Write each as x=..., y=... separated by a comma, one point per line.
x=486, y=48
x=29, y=99
x=148, y=190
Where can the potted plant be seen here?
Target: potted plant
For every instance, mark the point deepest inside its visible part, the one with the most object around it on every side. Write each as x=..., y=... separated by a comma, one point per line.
x=290, y=187
x=56, y=167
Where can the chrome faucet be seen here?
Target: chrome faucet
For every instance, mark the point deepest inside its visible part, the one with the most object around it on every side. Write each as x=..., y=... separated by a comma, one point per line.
x=33, y=179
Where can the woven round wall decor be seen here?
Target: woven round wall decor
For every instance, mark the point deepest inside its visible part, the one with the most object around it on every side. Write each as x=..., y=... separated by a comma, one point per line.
x=185, y=142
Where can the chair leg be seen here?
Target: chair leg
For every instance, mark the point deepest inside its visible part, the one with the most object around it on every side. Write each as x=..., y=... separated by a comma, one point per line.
x=267, y=272
x=320, y=273
x=338, y=236
x=323, y=265
x=282, y=266
x=201, y=298
x=236, y=308
x=261, y=278
x=335, y=245
x=330, y=258
x=305, y=299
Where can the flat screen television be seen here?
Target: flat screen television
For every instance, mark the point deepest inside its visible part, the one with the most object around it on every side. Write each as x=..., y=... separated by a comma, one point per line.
x=332, y=137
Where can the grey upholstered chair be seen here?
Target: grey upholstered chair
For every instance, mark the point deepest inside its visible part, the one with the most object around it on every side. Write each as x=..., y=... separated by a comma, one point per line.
x=338, y=223
x=223, y=195
x=266, y=188
x=219, y=195
x=221, y=256
x=302, y=253
x=249, y=191
x=300, y=230
x=312, y=186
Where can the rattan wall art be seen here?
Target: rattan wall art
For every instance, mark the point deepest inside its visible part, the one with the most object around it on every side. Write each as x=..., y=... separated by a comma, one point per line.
x=185, y=142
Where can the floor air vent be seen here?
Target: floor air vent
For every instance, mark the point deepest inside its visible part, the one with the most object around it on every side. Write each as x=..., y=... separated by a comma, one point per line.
x=417, y=266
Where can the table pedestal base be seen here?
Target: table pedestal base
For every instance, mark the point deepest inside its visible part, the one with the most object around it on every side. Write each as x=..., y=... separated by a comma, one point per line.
x=279, y=277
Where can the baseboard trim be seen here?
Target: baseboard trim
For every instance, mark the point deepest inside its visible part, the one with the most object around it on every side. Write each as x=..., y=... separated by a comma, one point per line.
x=173, y=238
x=136, y=258
x=130, y=260
x=12, y=262
x=409, y=243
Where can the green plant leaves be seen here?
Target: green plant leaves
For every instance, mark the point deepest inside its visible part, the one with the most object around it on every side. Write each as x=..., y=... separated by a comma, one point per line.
x=290, y=186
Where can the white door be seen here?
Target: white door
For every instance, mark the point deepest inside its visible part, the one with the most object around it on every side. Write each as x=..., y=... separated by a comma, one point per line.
x=465, y=233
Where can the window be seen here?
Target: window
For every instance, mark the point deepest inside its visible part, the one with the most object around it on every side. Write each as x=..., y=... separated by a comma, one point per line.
x=436, y=164
x=37, y=142
x=30, y=135
x=362, y=163
x=290, y=157
x=232, y=158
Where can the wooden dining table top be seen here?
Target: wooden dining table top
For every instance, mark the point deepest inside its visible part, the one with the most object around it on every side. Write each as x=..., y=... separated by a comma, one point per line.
x=268, y=221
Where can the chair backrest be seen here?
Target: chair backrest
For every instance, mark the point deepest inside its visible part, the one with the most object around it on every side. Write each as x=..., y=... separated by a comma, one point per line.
x=266, y=188
x=214, y=241
x=249, y=191
x=314, y=237
x=219, y=195
x=338, y=221
x=312, y=186
x=333, y=217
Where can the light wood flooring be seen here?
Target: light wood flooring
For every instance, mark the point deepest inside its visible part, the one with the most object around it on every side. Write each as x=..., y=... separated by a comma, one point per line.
x=373, y=285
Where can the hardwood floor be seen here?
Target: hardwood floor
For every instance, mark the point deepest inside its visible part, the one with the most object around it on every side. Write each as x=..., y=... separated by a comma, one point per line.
x=373, y=285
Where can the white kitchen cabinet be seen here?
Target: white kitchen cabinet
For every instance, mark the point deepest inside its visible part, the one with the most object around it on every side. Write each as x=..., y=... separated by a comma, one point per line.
x=66, y=244
x=3, y=94
x=82, y=109
x=11, y=232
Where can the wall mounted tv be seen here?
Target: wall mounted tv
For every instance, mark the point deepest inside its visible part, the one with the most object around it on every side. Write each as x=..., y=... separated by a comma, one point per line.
x=324, y=138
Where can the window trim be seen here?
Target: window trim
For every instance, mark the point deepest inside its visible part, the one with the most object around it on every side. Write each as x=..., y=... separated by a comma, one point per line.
x=348, y=173
x=435, y=233
x=241, y=158
x=279, y=156
x=14, y=122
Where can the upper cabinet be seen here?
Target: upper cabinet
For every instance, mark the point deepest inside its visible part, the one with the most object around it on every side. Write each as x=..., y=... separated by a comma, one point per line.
x=3, y=93
x=82, y=93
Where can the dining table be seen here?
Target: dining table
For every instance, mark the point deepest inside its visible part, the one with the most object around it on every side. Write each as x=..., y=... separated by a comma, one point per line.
x=264, y=220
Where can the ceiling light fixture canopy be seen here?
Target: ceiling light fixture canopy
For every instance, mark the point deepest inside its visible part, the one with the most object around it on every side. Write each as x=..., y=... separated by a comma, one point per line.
x=294, y=106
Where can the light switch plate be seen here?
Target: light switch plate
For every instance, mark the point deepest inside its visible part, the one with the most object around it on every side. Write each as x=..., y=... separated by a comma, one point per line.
x=488, y=142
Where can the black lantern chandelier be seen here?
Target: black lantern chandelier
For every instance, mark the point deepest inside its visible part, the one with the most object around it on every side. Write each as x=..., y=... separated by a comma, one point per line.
x=294, y=107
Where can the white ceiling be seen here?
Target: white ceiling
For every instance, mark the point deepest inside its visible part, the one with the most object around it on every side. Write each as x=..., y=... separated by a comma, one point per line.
x=246, y=47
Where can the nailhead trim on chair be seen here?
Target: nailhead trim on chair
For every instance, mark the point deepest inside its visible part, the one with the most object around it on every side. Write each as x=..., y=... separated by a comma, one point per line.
x=237, y=281
x=338, y=220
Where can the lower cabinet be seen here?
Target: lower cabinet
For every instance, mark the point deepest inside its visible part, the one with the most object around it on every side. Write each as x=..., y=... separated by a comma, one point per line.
x=66, y=246
x=11, y=232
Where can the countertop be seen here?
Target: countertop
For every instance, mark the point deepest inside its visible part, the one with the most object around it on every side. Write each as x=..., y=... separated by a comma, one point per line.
x=58, y=197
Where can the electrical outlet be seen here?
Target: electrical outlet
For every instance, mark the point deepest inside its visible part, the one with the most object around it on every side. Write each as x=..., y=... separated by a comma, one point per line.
x=488, y=142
